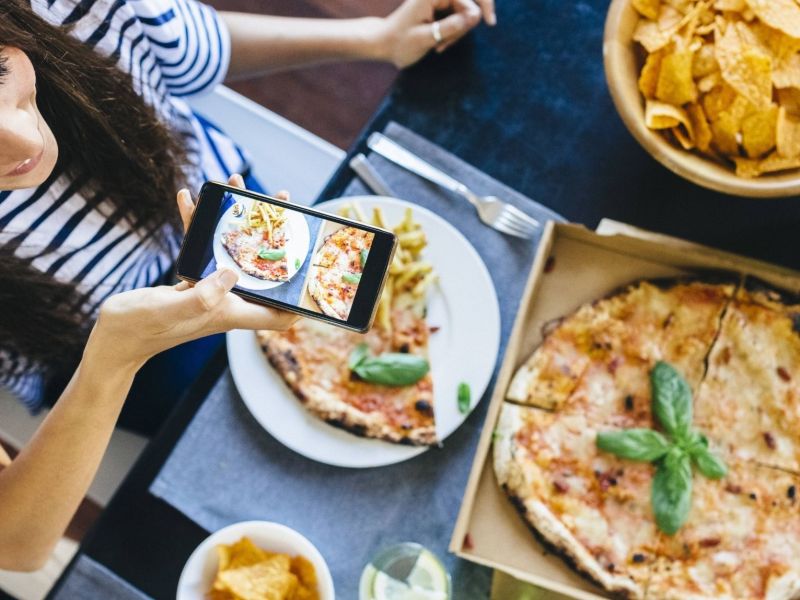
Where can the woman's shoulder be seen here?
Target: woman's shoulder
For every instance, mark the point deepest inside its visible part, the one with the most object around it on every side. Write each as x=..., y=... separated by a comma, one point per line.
x=115, y=13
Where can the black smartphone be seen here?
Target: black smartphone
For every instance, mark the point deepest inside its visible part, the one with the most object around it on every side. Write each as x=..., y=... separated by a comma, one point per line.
x=287, y=256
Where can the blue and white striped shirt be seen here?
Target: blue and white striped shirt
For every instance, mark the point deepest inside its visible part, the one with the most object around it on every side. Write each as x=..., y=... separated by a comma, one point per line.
x=173, y=49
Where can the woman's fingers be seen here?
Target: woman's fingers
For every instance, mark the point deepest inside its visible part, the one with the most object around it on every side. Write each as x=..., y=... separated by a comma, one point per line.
x=452, y=27
x=489, y=14
x=208, y=293
x=185, y=208
x=240, y=314
x=236, y=180
x=283, y=195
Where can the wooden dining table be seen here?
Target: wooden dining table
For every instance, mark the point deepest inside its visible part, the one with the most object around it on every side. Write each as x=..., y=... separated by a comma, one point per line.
x=527, y=103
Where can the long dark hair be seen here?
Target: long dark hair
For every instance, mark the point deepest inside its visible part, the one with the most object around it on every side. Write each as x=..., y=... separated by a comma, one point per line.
x=113, y=144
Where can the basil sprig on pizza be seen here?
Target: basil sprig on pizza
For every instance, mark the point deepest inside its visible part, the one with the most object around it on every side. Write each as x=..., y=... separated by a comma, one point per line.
x=674, y=452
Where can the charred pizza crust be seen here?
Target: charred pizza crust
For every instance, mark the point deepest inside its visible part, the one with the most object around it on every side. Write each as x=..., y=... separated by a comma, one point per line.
x=743, y=537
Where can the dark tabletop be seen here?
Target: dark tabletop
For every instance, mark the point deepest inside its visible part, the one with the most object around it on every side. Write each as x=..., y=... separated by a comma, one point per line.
x=527, y=103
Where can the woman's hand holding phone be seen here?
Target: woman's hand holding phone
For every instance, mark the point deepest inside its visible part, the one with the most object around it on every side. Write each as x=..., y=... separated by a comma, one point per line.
x=134, y=326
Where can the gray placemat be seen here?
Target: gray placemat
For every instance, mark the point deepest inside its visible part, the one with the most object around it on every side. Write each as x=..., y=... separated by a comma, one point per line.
x=226, y=468
x=89, y=580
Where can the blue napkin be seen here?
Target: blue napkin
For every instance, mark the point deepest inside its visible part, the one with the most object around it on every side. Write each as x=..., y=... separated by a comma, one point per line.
x=89, y=580
x=226, y=468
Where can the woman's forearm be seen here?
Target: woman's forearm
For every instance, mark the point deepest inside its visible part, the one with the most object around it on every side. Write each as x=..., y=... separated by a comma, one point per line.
x=42, y=488
x=262, y=43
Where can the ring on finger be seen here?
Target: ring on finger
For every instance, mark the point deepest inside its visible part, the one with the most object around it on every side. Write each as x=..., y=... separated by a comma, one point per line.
x=436, y=30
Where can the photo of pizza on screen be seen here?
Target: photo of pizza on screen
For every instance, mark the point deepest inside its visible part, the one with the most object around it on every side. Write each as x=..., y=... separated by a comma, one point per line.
x=270, y=247
x=336, y=267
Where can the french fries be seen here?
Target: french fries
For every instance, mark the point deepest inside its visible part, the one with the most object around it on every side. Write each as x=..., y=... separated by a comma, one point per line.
x=408, y=273
x=266, y=217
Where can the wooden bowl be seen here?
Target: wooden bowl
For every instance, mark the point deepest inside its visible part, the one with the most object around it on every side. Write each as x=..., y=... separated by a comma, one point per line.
x=622, y=74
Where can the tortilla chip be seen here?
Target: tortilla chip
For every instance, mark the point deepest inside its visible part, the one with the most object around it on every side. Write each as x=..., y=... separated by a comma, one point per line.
x=700, y=127
x=704, y=61
x=787, y=134
x=675, y=83
x=241, y=554
x=725, y=134
x=744, y=68
x=774, y=163
x=649, y=76
x=718, y=100
x=789, y=98
x=709, y=82
x=780, y=14
x=686, y=142
x=647, y=8
x=749, y=168
x=759, y=131
x=659, y=115
x=649, y=35
x=786, y=73
x=267, y=580
x=307, y=576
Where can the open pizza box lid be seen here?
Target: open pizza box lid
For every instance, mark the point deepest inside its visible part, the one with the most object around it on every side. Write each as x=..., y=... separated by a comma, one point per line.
x=573, y=266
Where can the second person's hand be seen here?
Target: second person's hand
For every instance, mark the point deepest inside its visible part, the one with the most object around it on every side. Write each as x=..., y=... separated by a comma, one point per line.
x=411, y=31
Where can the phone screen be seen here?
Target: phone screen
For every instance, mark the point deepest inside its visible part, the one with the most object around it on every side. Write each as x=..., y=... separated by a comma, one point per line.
x=286, y=255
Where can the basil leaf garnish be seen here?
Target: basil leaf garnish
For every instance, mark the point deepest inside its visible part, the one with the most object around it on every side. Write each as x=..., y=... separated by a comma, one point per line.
x=672, y=400
x=708, y=463
x=357, y=356
x=362, y=257
x=672, y=491
x=634, y=444
x=674, y=454
x=353, y=278
x=271, y=254
x=464, y=398
x=297, y=263
x=392, y=369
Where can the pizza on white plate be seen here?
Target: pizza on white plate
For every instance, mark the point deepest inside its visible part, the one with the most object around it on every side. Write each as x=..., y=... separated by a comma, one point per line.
x=376, y=384
x=258, y=246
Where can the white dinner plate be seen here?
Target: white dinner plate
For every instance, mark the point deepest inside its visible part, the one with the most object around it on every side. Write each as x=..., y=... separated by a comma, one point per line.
x=464, y=307
x=298, y=239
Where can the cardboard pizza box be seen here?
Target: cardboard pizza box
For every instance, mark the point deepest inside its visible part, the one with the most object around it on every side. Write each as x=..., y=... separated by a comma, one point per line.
x=573, y=266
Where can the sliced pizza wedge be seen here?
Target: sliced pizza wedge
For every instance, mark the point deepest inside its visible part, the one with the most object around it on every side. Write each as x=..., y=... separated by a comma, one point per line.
x=597, y=360
x=345, y=249
x=741, y=541
x=590, y=506
x=749, y=403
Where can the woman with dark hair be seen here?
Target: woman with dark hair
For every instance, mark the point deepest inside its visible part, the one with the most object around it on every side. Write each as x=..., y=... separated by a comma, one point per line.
x=95, y=137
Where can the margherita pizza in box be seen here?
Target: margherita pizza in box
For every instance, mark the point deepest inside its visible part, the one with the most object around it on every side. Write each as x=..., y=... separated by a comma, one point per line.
x=644, y=436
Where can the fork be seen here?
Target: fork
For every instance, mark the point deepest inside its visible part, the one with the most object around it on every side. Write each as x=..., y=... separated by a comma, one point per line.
x=493, y=211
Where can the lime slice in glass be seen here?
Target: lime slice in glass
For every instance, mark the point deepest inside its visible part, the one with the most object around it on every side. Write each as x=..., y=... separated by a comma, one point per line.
x=405, y=572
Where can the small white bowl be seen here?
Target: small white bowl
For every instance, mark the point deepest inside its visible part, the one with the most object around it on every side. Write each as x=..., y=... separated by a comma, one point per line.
x=201, y=568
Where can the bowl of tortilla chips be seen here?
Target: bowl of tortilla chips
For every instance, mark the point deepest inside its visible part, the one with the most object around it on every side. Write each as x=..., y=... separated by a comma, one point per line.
x=256, y=559
x=711, y=88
